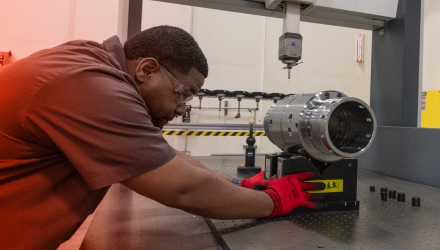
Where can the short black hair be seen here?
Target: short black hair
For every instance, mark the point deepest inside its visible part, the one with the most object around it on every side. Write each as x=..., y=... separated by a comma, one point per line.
x=172, y=47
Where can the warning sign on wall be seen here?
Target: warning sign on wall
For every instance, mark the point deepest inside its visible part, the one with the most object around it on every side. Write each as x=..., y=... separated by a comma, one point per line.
x=431, y=108
x=423, y=101
x=359, y=47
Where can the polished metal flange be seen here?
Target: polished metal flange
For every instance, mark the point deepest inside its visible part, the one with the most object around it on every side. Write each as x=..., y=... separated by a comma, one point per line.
x=327, y=126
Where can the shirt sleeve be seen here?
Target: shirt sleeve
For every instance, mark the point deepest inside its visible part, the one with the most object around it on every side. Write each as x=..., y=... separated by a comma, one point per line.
x=100, y=123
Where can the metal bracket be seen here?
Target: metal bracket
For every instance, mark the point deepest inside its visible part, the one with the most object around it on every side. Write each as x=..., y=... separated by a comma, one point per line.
x=226, y=105
x=272, y=4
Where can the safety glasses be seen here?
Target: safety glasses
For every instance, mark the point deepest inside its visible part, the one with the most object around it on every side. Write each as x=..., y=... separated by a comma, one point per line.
x=183, y=94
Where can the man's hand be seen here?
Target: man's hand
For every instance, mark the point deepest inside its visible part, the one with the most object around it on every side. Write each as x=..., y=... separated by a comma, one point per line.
x=288, y=193
x=254, y=180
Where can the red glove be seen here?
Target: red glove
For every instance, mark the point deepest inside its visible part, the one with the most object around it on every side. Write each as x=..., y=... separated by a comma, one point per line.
x=288, y=193
x=254, y=180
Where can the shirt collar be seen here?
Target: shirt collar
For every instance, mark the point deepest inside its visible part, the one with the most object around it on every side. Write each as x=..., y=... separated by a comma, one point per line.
x=114, y=47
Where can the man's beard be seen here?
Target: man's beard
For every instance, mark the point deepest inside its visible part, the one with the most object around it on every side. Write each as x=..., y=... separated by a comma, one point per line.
x=159, y=122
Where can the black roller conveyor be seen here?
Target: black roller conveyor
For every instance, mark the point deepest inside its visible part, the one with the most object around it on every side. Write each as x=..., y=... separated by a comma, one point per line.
x=221, y=92
x=260, y=95
x=276, y=97
x=243, y=94
x=204, y=92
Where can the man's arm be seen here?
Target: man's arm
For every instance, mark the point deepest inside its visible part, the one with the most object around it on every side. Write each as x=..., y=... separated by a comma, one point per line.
x=196, y=163
x=199, y=191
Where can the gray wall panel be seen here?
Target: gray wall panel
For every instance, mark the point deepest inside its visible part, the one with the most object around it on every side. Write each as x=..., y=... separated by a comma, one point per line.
x=411, y=57
x=134, y=17
x=411, y=154
x=395, y=67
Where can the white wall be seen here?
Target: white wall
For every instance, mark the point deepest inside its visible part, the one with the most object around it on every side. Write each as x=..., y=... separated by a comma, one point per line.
x=90, y=23
x=431, y=41
x=28, y=26
x=328, y=61
x=233, y=48
x=158, y=13
x=328, y=58
x=241, y=51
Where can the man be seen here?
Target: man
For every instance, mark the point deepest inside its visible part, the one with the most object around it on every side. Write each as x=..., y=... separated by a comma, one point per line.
x=79, y=117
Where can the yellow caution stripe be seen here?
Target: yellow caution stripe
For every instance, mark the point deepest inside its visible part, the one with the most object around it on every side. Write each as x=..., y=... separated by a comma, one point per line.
x=209, y=133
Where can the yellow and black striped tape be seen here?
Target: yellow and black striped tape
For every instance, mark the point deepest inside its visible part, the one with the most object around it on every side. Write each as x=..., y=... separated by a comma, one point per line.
x=209, y=133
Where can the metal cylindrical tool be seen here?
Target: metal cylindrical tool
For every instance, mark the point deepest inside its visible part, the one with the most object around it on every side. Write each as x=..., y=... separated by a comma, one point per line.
x=383, y=196
x=372, y=189
x=201, y=94
x=392, y=194
x=200, y=101
x=221, y=94
x=416, y=201
x=239, y=95
x=401, y=197
x=239, y=101
x=328, y=126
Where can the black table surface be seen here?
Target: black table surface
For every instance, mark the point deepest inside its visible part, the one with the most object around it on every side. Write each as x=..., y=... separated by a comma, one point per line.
x=126, y=220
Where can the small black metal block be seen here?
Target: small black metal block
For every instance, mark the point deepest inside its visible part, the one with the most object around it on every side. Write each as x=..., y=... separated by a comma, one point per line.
x=401, y=197
x=392, y=194
x=383, y=196
x=416, y=201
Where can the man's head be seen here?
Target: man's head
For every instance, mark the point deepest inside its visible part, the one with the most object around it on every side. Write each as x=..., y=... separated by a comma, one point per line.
x=168, y=66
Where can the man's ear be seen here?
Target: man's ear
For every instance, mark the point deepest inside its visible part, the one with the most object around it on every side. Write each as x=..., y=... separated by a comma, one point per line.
x=145, y=68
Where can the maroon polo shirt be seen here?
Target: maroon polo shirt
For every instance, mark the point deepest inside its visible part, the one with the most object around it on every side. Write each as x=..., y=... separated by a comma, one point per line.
x=72, y=122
